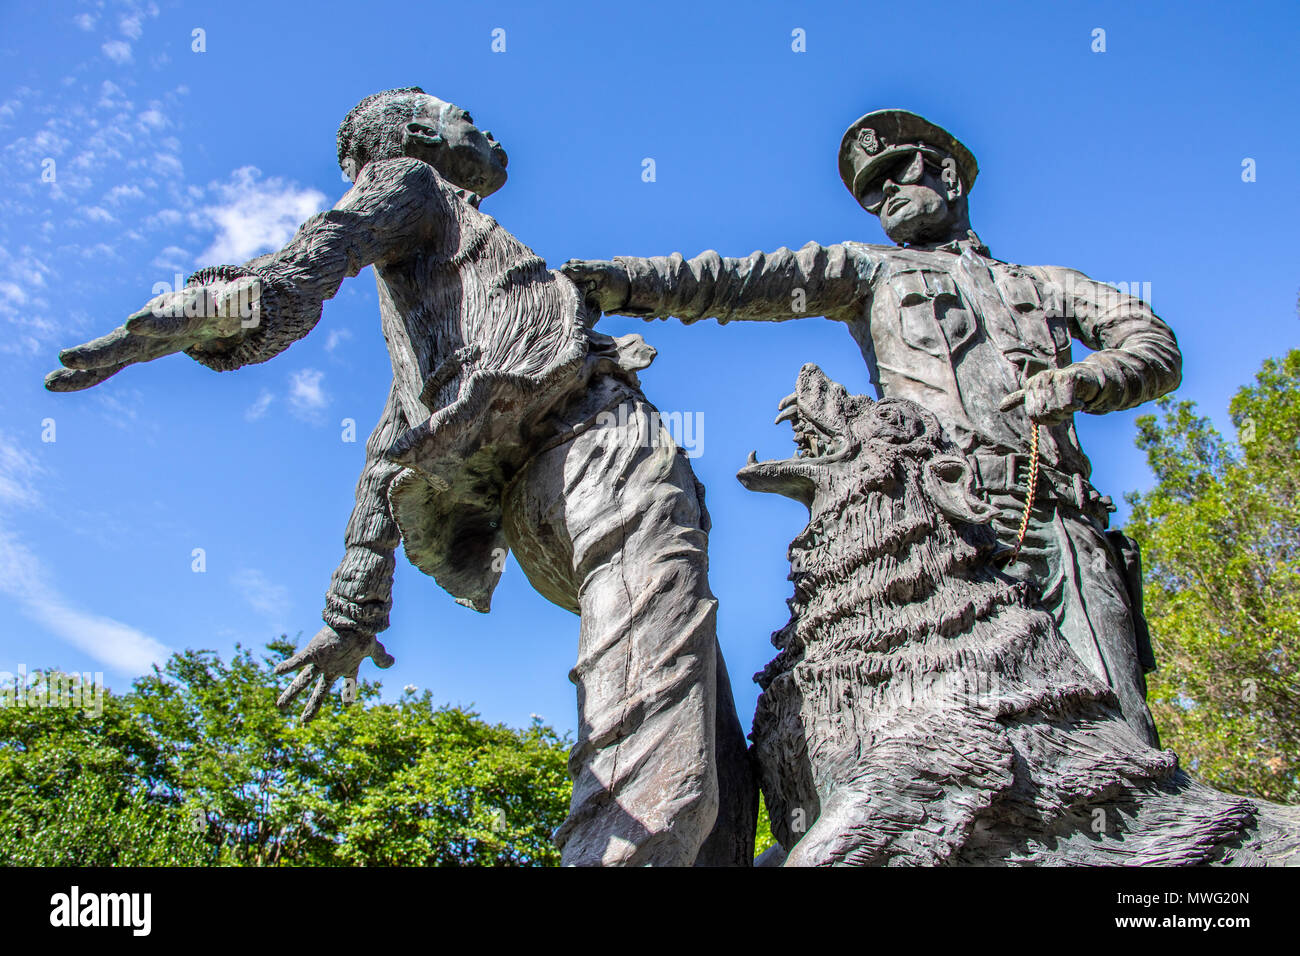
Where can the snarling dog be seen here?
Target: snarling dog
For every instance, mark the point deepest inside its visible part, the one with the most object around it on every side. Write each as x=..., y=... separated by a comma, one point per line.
x=922, y=710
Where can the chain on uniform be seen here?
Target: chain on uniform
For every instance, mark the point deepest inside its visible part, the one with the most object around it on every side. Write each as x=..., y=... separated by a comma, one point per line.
x=1029, y=498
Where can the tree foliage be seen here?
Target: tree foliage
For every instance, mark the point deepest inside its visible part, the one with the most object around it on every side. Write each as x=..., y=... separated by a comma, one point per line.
x=195, y=765
x=1220, y=537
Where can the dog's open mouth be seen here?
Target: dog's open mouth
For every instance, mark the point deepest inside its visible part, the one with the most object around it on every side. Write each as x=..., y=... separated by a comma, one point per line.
x=812, y=412
x=810, y=439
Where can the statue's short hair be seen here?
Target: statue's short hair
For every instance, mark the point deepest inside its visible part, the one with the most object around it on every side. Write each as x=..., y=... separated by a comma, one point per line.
x=373, y=128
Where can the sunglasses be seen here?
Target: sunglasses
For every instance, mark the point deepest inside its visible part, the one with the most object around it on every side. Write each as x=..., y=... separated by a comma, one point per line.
x=906, y=173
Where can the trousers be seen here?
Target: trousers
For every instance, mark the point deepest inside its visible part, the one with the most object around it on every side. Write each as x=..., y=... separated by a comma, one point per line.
x=610, y=523
x=1067, y=554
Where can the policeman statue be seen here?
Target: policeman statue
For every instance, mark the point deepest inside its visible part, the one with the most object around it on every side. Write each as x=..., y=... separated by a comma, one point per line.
x=984, y=344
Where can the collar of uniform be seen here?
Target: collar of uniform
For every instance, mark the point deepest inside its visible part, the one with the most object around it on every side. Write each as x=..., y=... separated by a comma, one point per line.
x=958, y=246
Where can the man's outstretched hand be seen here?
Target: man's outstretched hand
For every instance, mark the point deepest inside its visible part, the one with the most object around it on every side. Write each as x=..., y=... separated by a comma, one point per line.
x=213, y=315
x=604, y=284
x=327, y=657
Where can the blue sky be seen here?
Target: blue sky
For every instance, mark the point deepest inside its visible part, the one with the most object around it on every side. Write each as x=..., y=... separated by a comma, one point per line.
x=1125, y=164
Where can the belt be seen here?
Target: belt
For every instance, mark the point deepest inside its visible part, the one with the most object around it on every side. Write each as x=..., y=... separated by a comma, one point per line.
x=1008, y=473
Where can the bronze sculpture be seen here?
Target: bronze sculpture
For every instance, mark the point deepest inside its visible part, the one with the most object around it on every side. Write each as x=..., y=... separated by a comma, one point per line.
x=495, y=436
x=922, y=709
x=984, y=344
x=512, y=424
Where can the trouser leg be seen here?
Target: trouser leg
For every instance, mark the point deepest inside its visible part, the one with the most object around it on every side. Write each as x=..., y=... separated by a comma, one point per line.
x=731, y=842
x=1084, y=590
x=611, y=524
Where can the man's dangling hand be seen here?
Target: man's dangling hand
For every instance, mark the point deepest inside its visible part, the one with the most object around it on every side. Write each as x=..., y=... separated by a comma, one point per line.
x=328, y=656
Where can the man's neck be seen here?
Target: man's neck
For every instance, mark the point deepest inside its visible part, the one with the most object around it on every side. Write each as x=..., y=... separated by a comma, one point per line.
x=957, y=242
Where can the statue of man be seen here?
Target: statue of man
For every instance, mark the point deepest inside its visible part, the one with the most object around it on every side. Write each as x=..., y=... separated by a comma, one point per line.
x=985, y=344
x=510, y=423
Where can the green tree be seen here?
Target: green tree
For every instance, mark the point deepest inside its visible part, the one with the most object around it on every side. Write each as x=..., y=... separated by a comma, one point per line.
x=1220, y=537
x=77, y=790
x=196, y=765
x=763, y=838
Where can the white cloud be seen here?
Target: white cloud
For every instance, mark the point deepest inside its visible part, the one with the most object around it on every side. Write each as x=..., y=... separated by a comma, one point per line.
x=130, y=26
x=109, y=156
x=19, y=474
x=115, y=645
x=122, y=414
x=164, y=219
x=307, y=399
x=112, y=96
x=24, y=309
x=336, y=337
x=126, y=191
x=166, y=164
x=261, y=595
x=119, y=51
x=85, y=20
x=256, y=215
x=258, y=408
x=100, y=250
x=174, y=260
x=12, y=292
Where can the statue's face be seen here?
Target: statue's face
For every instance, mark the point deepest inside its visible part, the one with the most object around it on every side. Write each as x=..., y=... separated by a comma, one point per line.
x=913, y=202
x=444, y=136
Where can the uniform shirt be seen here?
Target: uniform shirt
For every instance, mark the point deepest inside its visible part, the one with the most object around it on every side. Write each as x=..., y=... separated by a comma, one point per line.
x=950, y=328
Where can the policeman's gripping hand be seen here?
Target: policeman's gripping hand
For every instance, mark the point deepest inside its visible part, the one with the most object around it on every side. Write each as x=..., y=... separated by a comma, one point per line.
x=604, y=284
x=215, y=315
x=1053, y=395
x=328, y=656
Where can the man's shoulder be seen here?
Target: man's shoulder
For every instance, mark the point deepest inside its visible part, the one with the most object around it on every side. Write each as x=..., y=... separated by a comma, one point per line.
x=395, y=174
x=868, y=248
x=1059, y=275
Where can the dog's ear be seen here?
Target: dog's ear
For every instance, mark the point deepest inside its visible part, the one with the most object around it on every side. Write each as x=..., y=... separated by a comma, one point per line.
x=950, y=483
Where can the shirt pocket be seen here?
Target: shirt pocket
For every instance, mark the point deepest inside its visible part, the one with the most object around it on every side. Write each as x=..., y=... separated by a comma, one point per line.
x=1021, y=293
x=917, y=323
x=932, y=317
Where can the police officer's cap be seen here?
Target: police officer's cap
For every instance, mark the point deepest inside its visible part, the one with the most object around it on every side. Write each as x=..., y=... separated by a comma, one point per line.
x=873, y=145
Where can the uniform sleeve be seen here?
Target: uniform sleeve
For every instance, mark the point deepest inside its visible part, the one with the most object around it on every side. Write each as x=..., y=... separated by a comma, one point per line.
x=1136, y=358
x=833, y=281
x=394, y=203
x=361, y=590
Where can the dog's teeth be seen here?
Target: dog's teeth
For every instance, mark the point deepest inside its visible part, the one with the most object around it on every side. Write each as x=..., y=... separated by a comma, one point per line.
x=787, y=415
x=788, y=400
x=753, y=458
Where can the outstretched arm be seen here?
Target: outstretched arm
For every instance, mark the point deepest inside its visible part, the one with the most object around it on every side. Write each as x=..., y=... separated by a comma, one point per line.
x=833, y=281
x=360, y=592
x=235, y=315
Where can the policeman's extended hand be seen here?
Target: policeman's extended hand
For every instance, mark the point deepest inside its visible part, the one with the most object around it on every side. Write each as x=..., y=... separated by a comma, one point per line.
x=1054, y=395
x=213, y=315
x=605, y=284
x=327, y=657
